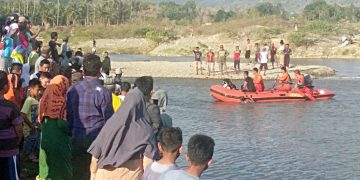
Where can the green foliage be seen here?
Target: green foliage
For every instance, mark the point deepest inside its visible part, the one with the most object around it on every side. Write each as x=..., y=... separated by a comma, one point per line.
x=160, y=37
x=320, y=10
x=267, y=9
x=177, y=12
x=300, y=39
x=319, y=27
x=222, y=15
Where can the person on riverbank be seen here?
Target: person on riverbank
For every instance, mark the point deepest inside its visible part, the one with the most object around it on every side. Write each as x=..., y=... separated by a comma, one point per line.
x=248, y=51
x=14, y=93
x=106, y=64
x=30, y=115
x=199, y=157
x=221, y=59
x=302, y=86
x=258, y=81
x=248, y=83
x=113, y=159
x=53, y=47
x=198, y=55
x=55, y=149
x=272, y=54
x=257, y=53
x=284, y=81
x=65, y=51
x=170, y=147
x=33, y=56
x=237, y=53
x=11, y=127
x=124, y=89
x=44, y=66
x=287, y=54
x=88, y=107
x=210, y=56
x=45, y=54
x=281, y=54
x=263, y=60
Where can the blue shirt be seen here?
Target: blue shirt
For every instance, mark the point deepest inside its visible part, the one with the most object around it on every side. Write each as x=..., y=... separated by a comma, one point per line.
x=177, y=175
x=89, y=106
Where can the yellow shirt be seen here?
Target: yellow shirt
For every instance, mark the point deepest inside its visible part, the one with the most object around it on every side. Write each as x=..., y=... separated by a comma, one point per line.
x=116, y=102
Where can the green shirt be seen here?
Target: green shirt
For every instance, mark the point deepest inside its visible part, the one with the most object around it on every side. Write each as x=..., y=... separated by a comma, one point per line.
x=33, y=56
x=30, y=108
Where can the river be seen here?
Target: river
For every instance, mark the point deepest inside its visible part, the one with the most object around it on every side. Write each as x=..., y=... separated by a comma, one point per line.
x=294, y=140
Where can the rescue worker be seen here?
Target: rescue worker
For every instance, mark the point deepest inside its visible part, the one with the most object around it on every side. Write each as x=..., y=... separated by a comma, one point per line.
x=248, y=84
x=303, y=87
x=284, y=81
x=258, y=81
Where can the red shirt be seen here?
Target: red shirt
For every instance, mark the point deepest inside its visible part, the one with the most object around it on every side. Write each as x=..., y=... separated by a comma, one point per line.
x=210, y=56
x=237, y=56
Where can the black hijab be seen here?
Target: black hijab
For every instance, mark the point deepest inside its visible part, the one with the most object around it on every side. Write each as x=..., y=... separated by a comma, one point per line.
x=127, y=135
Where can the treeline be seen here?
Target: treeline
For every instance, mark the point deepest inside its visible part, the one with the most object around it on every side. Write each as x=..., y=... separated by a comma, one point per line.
x=89, y=12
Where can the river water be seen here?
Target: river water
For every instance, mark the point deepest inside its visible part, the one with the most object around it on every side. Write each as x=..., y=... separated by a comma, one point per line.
x=293, y=140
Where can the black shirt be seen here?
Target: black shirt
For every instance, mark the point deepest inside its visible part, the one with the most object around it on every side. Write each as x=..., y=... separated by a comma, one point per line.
x=250, y=85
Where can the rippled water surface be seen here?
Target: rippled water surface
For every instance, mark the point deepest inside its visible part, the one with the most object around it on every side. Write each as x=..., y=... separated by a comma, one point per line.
x=300, y=140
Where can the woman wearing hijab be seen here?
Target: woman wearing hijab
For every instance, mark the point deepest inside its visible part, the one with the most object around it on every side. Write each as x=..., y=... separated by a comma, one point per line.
x=126, y=143
x=55, y=151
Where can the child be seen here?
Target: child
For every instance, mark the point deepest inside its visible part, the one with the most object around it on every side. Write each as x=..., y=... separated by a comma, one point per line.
x=125, y=88
x=170, y=147
x=198, y=55
x=11, y=126
x=30, y=114
x=199, y=157
x=33, y=56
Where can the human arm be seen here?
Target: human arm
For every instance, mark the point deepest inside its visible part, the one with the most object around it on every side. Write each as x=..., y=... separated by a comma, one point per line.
x=17, y=120
x=154, y=113
x=25, y=110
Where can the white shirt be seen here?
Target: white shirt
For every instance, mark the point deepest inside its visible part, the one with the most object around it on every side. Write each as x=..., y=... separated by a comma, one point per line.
x=264, y=57
x=155, y=170
x=177, y=175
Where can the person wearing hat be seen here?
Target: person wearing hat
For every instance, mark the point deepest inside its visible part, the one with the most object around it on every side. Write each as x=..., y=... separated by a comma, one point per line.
x=210, y=57
x=65, y=51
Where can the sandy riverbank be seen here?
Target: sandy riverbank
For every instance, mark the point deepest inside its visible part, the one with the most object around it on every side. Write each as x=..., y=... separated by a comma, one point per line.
x=167, y=69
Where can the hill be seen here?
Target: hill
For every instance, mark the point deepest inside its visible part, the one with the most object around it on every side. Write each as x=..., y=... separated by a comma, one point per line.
x=289, y=5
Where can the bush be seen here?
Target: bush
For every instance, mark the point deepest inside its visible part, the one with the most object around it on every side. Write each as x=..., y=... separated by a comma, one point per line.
x=319, y=27
x=160, y=37
x=142, y=32
x=300, y=39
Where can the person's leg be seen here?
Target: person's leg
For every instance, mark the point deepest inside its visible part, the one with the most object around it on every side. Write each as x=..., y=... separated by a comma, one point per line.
x=213, y=68
x=197, y=69
x=81, y=160
x=10, y=168
x=221, y=68
x=201, y=70
x=225, y=67
x=209, y=66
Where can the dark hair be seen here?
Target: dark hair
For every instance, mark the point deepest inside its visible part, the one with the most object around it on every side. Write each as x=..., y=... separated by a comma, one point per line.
x=287, y=44
x=283, y=68
x=66, y=71
x=34, y=82
x=53, y=35
x=125, y=86
x=170, y=139
x=282, y=42
x=145, y=84
x=91, y=65
x=246, y=72
x=78, y=53
x=16, y=67
x=22, y=27
x=35, y=46
x=297, y=71
x=45, y=75
x=3, y=80
x=200, y=149
x=256, y=69
x=44, y=61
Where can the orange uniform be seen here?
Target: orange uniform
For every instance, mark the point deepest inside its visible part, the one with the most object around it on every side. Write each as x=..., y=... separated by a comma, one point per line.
x=14, y=94
x=285, y=82
x=259, y=83
x=301, y=88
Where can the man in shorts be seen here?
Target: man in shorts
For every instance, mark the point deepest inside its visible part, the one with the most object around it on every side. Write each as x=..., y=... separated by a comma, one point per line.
x=210, y=56
x=248, y=51
x=221, y=59
x=198, y=55
x=264, y=56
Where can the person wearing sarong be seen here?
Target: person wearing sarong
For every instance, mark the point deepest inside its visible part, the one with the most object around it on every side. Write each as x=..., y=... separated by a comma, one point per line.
x=55, y=146
x=281, y=54
x=126, y=143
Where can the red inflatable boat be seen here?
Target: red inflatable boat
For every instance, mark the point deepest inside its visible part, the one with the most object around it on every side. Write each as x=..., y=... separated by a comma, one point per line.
x=231, y=95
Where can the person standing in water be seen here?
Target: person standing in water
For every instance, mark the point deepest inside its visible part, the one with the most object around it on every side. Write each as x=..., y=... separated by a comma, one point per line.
x=287, y=54
x=237, y=53
x=210, y=56
x=281, y=53
x=248, y=51
x=221, y=58
x=198, y=55
x=272, y=54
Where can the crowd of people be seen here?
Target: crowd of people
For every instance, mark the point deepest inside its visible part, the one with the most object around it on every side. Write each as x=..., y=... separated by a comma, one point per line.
x=68, y=115
x=263, y=55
